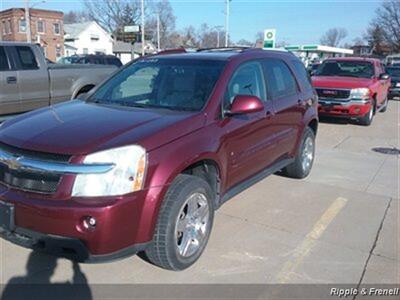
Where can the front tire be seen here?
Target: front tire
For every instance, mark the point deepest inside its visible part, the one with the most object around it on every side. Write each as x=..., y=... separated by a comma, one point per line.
x=385, y=105
x=304, y=159
x=184, y=224
x=367, y=119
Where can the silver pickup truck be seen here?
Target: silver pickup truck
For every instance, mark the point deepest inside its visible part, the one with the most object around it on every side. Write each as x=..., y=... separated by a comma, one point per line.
x=28, y=82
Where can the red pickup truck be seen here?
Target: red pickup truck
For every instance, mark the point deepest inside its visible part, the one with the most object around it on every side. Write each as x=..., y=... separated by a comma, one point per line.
x=352, y=87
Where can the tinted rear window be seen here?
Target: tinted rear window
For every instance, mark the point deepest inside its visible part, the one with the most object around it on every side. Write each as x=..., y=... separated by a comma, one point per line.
x=302, y=75
x=27, y=58
x=3, y=60
x=280, y=80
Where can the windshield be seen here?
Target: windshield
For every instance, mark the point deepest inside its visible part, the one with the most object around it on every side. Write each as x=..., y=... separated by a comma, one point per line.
x=395, y=72
x=360, y=69
x=177, y=84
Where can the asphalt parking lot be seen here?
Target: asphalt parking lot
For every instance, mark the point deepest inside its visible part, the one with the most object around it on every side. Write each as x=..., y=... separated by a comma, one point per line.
x=340, y=225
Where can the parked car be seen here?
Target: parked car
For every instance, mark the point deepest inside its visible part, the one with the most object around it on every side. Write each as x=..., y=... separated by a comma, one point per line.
x=28, y=82
x=394, y=73
x=146, y=159
x=352, y=87
x=97, y=59
x=313, y=68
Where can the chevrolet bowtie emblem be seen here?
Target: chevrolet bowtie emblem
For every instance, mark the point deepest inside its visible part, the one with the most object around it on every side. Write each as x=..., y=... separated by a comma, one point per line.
x=12, y=163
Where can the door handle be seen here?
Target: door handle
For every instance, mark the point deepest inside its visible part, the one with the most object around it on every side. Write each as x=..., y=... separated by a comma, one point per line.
x=11, y=80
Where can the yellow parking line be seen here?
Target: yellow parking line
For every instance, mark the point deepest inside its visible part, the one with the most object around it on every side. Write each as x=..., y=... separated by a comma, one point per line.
x=308, y=243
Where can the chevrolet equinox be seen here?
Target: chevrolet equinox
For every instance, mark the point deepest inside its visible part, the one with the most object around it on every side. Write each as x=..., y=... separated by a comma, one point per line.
x=142, y=163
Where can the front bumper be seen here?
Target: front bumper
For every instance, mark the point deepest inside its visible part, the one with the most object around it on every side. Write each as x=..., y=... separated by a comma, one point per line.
x=346, y=109
x=70, y=248
x=124, y=224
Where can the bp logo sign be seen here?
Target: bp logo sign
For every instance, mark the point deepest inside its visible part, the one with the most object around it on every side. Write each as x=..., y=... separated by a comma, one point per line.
x=269, y=38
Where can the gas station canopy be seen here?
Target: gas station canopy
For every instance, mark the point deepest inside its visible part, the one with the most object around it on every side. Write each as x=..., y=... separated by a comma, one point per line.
x=319, y=49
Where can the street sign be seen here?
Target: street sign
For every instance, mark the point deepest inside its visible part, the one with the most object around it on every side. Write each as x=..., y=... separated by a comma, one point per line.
x=132, y=28
x=269, y=38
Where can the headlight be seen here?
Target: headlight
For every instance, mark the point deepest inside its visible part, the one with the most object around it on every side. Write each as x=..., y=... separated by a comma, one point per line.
x=361, y=93
x=127, y=176
x=398, y=84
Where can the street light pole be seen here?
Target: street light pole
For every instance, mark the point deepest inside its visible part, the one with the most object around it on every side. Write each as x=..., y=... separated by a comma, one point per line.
x=27, y=22
x=158, y=32
x=143, y=38
x=227, y=11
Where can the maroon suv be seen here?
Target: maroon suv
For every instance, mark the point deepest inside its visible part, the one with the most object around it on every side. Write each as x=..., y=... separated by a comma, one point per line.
x=146, y=159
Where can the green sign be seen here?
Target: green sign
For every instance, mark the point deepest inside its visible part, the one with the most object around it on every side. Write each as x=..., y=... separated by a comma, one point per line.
x=269, y=38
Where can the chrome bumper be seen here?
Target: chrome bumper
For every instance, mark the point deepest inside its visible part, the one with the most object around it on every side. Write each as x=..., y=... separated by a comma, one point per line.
x=21, y=163
x=332, y=102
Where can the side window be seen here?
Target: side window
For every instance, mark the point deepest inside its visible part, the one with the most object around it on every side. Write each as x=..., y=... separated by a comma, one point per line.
x=26, y=58
x=3, y=60
x=302, y=75
x=247, y=80
x=280, y=80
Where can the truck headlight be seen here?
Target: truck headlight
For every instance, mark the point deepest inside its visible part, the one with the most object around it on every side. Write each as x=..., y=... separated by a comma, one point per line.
x=127, y=176
x=361, y=93
x=398, y=84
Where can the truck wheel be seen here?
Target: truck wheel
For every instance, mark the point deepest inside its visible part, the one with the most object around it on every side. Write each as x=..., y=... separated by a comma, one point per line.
x=184, y=224
x=367, y=119
x=304, y=159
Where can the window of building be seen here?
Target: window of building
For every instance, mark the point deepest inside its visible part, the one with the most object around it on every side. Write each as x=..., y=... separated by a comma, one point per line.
x=58, y=51
x=40, y=26
x=26, y=58
x=22, y=25
x=56, y=28
x=8, y=27
x=3, y=60
x=3, y=28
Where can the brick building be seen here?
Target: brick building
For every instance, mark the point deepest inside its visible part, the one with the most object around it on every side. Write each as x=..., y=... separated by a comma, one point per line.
x=46, y=29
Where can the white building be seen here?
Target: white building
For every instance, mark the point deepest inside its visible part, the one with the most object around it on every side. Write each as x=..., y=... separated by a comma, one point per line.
x=88, y=38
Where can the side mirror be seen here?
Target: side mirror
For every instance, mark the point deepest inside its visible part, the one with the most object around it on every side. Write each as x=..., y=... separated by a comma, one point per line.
x=245, y=104
x=384, y=76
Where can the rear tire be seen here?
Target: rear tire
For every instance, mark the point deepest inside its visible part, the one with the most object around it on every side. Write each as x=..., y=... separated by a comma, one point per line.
x=184, y=224
x=304, y=159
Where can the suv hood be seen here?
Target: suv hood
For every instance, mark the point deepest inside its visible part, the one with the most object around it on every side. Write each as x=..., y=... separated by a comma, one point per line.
x=341, y=82
x=77, y=128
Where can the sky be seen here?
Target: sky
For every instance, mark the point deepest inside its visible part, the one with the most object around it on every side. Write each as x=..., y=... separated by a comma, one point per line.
x=296, y=22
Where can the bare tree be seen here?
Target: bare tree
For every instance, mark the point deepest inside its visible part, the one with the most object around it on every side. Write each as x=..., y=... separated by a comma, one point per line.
x=385, y=28
x=245, y=43
x=162, y=10
x=113, y=15
x=76, y=17
x=333, y=37
x=376, y=39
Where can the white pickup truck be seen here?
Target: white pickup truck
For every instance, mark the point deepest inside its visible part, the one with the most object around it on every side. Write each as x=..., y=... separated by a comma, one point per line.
x=28, y=82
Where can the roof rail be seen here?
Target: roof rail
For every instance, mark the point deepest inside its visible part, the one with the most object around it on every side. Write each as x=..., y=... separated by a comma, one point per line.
x=171, y=51
x=222, y=49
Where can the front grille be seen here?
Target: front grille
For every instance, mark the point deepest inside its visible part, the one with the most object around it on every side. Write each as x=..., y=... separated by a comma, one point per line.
x=28, y=180
x=393, y=84
x=333, y=93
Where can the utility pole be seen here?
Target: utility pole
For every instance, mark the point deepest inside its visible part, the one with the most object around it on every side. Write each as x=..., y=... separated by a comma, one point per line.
x=27, y=22
x=158, y=32
x=143, y=38
x=227, y=8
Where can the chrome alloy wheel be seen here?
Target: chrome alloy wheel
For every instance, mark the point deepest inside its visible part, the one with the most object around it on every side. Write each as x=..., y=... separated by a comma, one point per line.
x=308, y=154
x=192, y=225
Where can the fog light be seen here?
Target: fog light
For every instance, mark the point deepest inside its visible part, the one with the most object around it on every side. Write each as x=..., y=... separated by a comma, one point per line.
x=89, y=222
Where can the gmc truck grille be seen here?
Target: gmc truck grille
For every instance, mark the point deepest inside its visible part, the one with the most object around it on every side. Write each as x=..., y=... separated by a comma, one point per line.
x=333, y=93
x=28, y=180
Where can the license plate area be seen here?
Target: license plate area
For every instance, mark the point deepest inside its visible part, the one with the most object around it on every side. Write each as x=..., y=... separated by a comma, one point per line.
x=6, y=216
